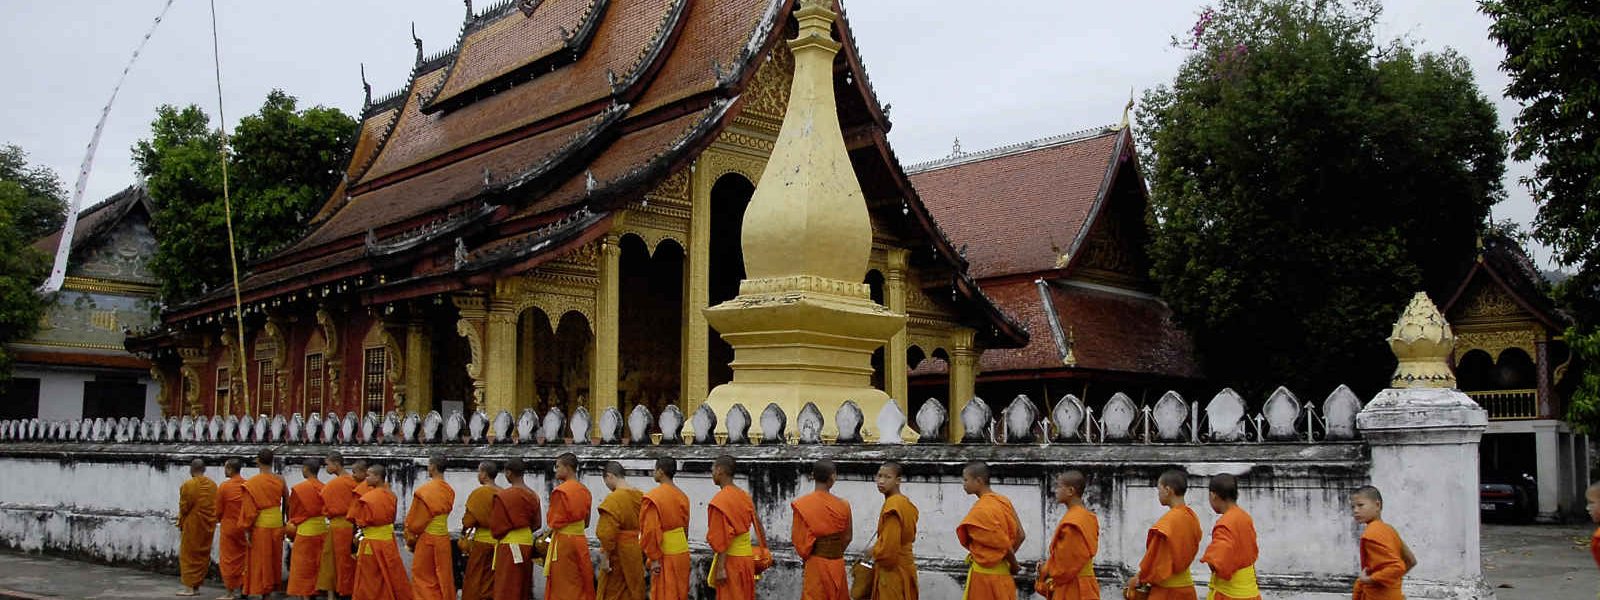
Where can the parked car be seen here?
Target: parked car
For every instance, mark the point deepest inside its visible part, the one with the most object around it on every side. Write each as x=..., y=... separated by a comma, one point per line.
x=1509, y=496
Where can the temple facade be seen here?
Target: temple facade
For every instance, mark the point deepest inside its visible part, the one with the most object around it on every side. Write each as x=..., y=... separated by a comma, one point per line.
x=540, y=218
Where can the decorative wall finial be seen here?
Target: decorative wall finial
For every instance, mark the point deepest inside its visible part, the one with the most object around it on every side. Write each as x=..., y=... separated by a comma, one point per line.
x=416, y=41
x=366, y=88
x=1422, y=341
x=955, y=148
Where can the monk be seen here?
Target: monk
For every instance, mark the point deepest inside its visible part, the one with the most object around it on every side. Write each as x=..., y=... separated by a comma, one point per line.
x=307, y=517
x=478, y=542
x=233, y=548
x=568, y=572
x=1385, y=558
x=895, y=565
x=337, y=496
x=991, y=533
x=1233, y=552
x=729, y=519
x=663, y=534
x=197, y=520
x=1593, y=496
x=821, y=532
x=428, y=535
x=1068, y=571
x=514, y=514
x=264, y=495
x=621, y=558
x=379, y=573
x=1171, y=544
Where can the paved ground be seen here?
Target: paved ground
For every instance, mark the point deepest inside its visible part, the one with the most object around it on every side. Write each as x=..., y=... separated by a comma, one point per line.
x=27, y=576
x=1538, y=562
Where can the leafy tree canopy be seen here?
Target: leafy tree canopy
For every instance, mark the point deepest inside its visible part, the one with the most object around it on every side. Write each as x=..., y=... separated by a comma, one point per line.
x=283, y=162
x=44, y=203
x=22, y=267
x=1305, y=180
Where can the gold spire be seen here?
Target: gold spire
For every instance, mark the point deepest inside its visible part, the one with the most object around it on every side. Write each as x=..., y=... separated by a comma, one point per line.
x=1422, y=341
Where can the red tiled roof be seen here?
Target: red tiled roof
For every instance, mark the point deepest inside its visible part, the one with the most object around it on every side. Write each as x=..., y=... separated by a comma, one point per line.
x=513, y=40
x=1107, y=331
x=1020, y=209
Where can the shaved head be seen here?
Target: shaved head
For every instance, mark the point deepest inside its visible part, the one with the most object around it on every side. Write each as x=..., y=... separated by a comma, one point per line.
x=232, y=466
x=1368, y=492
x=894, y=468
x=197, y=466
x=824, y=471
x=376, y=471
x=489, y=469
x=667, y=466
x=1175, y=480
x=568, y=460
x=436, y=462
x=614, y=469
x=978, y=470
x=726, y=463
x=1074, y=480
x=515, y=467
x=312, y=462
x=264, y=457
x=1225, y=486
x=335, y=459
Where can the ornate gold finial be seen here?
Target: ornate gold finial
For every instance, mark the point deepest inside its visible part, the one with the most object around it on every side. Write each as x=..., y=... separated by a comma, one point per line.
x=1127, y=110
x=1422, y=341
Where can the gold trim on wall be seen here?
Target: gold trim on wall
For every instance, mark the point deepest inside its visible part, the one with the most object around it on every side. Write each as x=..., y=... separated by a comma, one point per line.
x=106, y=286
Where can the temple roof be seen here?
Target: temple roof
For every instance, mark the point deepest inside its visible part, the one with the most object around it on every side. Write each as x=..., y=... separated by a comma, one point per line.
x=100, y=218
x=1503, y=262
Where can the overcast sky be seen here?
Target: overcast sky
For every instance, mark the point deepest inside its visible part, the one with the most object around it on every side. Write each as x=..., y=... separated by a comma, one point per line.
x=1015, y=71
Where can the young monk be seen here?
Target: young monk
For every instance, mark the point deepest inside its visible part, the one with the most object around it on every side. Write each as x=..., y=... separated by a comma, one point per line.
x=621, y=559
x=895, y=565
x=1593, y=496
x=307, y=516
x=379, y=573
x=729, y=519
x=1233, y=552
x=514, y=514
x=337, y=496
x=477, y=581
x=264, y=495
x=197, y=520
x=663, y=534
x=1385, y=558
x=428, y=535
x=991, y=533
x=1171, y=545
x=234, y=547
x=1068, y=571
x=568, y=572
x=821, y=532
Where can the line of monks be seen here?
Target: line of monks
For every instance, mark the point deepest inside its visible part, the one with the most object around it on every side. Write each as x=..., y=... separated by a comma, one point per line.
x=343, y=538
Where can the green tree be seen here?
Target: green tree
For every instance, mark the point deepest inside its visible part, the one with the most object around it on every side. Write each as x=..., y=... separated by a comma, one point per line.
x=44, y=202
x=283, y=162
x=22, y=269
x=1305, y=180
x=1553, y=55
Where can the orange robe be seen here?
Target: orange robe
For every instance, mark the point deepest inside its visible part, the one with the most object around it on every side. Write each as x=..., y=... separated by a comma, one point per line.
x=197, y=520
x=337, y=496
x=477, y=581
x=665, y=508
x=379, y=573
x=1594, y=547
x=816, y=515
x=432, y=571
x=568, y=572
x=618, y=530
x=1068, y=573
x=1381, y=560
x=731, y=516
x=1233, y=547
x=263, y=495
x=895, y=564
x=515, y=508
x=1169, y=549
x=233, y=549
x=305, y=557
x=990, y=532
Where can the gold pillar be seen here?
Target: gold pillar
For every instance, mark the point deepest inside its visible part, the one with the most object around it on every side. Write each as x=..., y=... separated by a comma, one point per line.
x=501, y=367
x=963, y=380
x=419, y=368
x=895, y=380
x=696, y=379
x=527, y=365
x=603, y=369
x=474, y=313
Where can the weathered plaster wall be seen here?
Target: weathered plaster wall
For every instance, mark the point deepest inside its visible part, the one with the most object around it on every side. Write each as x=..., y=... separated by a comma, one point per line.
x=116, y=504
x=61, y=393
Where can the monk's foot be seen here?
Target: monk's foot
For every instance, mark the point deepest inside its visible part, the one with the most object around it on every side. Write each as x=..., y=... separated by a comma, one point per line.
x=187, y=592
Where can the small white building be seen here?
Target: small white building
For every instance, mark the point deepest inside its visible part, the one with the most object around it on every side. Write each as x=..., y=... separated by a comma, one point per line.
x=75, y=366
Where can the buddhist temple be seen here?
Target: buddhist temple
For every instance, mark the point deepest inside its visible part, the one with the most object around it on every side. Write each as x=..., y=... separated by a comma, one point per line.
x=1511, y=358
x=75, y=366
x=542, y=215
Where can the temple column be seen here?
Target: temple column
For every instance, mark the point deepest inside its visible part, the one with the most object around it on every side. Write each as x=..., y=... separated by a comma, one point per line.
x=527, y=365
x=419, y=368
x=501, y=362
x=963, y=381
x=474, y=314
x=1544, y=399
x=696, y=379
x=894, y=354
x=603, y=373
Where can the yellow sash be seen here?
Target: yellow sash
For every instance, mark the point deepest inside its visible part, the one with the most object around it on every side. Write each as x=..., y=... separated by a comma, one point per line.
x=484, y=535
x=520, y=537
x=339, y=523
x=1088, y=570
x=1003, y=568
x=738, y=546
x=438, y=525
x=375, y=533
x=312, y=527
x=270, y=518
x=1184, y=579
x=674, y=541
x=1242, y=585
x=573, y=528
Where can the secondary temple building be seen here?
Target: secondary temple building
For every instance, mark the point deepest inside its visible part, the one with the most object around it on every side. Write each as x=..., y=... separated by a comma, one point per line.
x=542, y=215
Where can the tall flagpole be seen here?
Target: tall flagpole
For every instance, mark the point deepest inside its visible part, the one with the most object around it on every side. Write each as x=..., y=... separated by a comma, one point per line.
x=58, y=271
x=227, y=209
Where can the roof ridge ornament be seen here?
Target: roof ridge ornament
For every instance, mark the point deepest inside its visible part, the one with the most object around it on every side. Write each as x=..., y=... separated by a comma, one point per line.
x=366, y=88
x=1126, y=110
x=527, y=7
x=416, y=41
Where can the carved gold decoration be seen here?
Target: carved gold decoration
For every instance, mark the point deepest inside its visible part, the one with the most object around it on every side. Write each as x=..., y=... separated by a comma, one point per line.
x=768, y=92
x=675, y=186
x=1422, y=341
x=330, y=332
x=396, y=363
x=104, y=320
x=804, y=283
x=106, y=286
x=469, y=330
x=1495, y=342
x=1490, y=302
x=191, y=389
